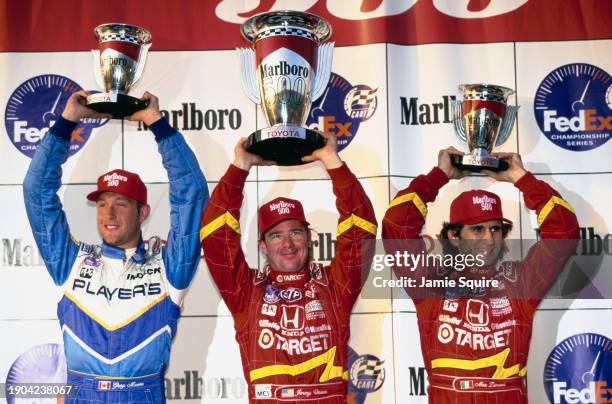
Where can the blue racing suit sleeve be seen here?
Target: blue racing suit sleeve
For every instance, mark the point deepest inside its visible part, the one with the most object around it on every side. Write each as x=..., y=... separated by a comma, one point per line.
x=43, y=206
x=188, y=196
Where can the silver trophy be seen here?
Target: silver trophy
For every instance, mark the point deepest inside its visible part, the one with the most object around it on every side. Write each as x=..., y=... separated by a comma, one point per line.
x=118, y=64
x=279, y=73
x=482, y=120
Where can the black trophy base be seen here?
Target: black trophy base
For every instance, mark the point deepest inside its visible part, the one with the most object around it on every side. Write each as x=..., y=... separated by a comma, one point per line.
x=117, y=104
x=476, y=164
x=284, y=144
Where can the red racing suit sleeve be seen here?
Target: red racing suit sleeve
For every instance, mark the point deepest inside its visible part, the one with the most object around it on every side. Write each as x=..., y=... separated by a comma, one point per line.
x=405, y=218
x=559, y=231
x=350, y=266
x=220, y=236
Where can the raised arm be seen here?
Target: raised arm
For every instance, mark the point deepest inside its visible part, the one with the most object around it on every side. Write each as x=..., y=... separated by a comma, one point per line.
x=43, y=180
x=220, y=231
x=558, y=226
x=188, y=196
x=405, y=216
x=356, y=223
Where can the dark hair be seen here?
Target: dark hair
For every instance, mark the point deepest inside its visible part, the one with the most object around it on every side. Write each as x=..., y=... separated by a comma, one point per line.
x=455, y=228
x=139, y=206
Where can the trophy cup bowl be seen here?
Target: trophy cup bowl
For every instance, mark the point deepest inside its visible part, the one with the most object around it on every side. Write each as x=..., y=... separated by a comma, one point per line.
x=279, y=73
x=118, y=64
x=483, y=120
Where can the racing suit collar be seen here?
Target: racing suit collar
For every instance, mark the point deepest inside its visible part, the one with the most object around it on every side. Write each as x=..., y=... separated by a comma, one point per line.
x=312, y=270
x=297, y=278
x=115, y=252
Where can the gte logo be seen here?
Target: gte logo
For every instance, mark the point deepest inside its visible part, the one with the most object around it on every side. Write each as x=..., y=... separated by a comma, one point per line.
x=342, y=108
x=578, y=370
x=35, y=106
x=572, y=106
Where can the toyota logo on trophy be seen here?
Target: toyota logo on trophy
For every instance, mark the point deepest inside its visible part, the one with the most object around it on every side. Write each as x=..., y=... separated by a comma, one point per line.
x=483, y=120
x=279, y=73
x=118, y=64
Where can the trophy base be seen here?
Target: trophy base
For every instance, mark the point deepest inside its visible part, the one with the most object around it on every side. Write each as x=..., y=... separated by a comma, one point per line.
x=284, y=144
x=476, y=164
x=117, y=104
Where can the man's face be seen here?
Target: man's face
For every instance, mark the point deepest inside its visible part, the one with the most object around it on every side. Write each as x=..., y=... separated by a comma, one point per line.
x=286, y=246
x=119, y=220
x=483, y=239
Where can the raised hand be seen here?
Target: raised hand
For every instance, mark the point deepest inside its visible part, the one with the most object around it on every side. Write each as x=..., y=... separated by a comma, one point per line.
x=515, y=168
x=444, y=164
x=76, y=108
x=245, y=160
x=327, y=154
x=151, y=113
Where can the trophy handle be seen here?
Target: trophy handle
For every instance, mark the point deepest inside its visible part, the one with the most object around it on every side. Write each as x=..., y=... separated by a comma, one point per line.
x=323, y=72
x=457, y=108
x=248, y=74
x=142, y=57
x=97, y=69
x=507, y=124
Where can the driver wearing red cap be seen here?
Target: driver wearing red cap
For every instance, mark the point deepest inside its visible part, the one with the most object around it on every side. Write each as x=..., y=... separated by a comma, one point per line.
x=291, y=316
x=475, y=340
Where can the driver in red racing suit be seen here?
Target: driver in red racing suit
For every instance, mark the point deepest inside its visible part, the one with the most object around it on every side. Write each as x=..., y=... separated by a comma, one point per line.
x=292, y=316
x=475, y=342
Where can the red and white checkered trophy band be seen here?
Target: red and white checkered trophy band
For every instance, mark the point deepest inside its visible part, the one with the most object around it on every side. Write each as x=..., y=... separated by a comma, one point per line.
x=483, y=120
x=118, y=64
x=286, y=70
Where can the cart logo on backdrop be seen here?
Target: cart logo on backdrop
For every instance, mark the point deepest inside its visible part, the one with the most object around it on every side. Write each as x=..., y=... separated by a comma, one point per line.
x=579, y=370
x=342, y=108
x=573, y=106
x=35, y=106
x=367, y=373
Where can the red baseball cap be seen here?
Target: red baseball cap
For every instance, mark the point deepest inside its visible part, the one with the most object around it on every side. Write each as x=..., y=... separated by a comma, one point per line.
x=122, y=182
x=278, y=210
x=476, y=206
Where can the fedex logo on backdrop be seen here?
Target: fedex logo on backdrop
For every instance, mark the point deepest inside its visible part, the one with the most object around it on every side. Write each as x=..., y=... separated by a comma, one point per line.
x=573, y=106
x=342, y=108
x=579, y=369
x=34, y=107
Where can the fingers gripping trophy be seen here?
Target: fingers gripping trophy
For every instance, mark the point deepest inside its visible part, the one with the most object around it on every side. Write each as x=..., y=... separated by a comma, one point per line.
x=483, y=120
x=288, y=68
x=118, y=64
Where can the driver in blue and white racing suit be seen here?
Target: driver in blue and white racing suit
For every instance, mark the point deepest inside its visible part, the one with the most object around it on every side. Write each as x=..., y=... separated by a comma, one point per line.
x=120, y=302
